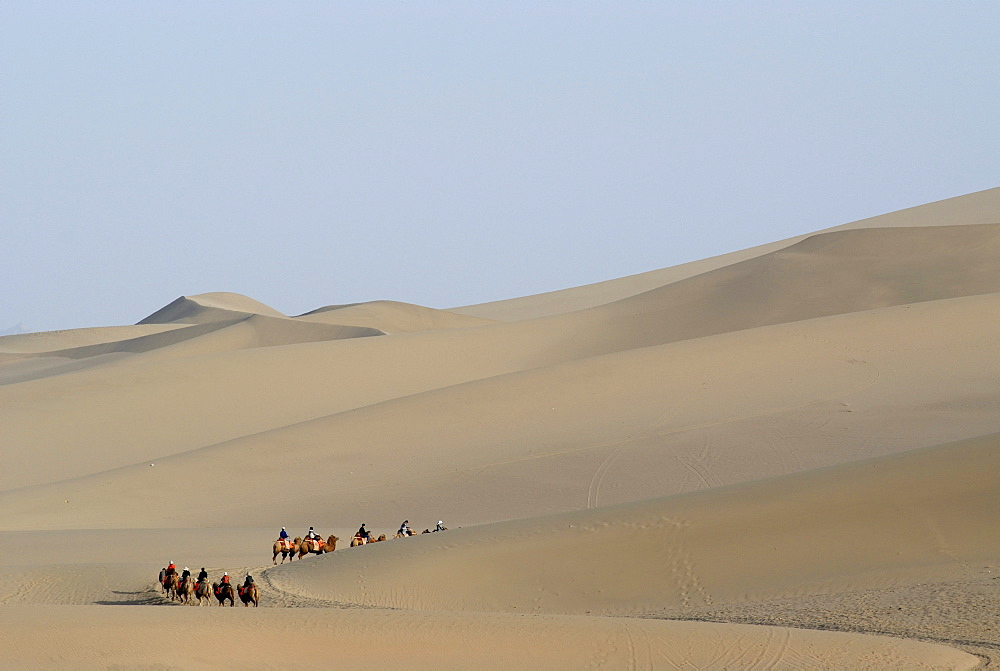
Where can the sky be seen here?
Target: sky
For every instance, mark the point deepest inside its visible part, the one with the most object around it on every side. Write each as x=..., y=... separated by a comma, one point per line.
x=317, y=153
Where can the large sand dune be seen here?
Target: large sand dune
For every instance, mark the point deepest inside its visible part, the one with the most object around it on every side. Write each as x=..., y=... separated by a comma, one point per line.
x=804, y=433
x=982, y=207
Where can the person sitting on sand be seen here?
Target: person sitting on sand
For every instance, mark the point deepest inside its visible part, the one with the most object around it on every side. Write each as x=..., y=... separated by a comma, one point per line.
x=364, y=534
x=203, y=576
x=283, y=535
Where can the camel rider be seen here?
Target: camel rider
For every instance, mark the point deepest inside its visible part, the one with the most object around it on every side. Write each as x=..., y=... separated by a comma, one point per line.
x=171, y=569
x=312, y=535
x=225, y=579
x=440, y=526
x=364, y=534
x=283, y=535
x=248, y=581
x=404, y=529
x=203, y=575
x=186, y=574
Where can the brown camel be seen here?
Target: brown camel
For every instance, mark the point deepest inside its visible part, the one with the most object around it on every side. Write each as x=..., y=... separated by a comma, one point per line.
x=379, y=539
x=356, y=541
x=285, y=548
x=185, y=590
x=249, y=594
x=317, y=546
x=203, y=591
x=223, y=592
x=170, y=584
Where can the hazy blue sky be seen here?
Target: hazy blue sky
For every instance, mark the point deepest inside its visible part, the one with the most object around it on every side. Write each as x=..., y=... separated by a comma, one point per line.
x=314, y=153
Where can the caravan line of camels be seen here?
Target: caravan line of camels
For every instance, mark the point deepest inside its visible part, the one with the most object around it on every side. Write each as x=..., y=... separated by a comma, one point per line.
x=300, y=547
x=187, y=590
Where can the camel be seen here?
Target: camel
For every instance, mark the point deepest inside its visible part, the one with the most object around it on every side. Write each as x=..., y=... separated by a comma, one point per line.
x=286, y=548
x=203, y=591
x=170, y=584
x=317, y=546
x=223, y=592
x=356, y=540
x=248, y=594
x=185, y=590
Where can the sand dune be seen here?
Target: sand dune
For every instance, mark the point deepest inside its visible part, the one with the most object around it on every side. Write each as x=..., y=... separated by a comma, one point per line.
x=372, y=640
x=667, y=419
x=866, y=523
x=209, y=307
x=51, y=341
x=828, y=274
x=982, y=207
x=832, y=273
x=802, y=434
x=392, y=317
x=220, y=336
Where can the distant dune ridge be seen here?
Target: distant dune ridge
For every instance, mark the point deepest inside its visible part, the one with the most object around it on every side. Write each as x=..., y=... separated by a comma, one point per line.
x=804, y=435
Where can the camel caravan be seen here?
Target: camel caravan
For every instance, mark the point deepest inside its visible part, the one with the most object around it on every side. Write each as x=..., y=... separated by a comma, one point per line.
x=313, y=543
x=185, y=589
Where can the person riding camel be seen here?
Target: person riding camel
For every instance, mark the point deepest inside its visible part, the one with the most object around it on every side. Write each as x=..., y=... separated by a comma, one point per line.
x=171, y=569
x=186, y=574
x=203, y=576
x=248, y=581
x=283, y=535
x=364, y=534
x=440, y=526
x=311, y=535
x=222, y=583
x=404, y=529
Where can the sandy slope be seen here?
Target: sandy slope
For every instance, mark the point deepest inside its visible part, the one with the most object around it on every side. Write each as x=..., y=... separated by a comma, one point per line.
x=92, y=637
x=982, y=207
x=695, y=442
x=51, y=341
x=623, y=427
x=392, y=317
x=203, y=308
x=860, y=524
x=223, y=397
x=191, y=638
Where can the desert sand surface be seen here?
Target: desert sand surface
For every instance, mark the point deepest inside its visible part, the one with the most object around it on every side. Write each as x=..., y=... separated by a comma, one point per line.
x=784, y=457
